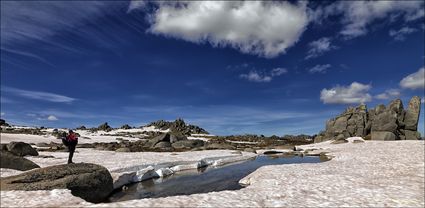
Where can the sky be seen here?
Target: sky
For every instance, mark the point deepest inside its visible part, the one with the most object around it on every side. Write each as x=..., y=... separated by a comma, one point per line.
x=270, y=68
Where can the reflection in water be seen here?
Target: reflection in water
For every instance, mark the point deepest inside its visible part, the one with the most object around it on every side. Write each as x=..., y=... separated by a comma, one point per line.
x=207, y=179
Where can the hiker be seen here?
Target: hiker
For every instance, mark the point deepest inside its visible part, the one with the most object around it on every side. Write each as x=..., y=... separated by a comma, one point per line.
x=70, y=141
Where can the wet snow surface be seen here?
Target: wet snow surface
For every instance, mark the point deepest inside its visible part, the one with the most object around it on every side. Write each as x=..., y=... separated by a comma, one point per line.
x=204, y=180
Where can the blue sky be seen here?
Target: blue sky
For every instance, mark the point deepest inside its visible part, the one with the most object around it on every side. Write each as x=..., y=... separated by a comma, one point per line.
x=229, y=67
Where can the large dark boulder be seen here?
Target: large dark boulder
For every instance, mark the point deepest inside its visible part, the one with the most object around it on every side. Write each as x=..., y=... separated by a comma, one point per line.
x=176, y=136
x=21, y=149
x=161, y=145
x=11, y=161
x=170, y=137
x=91, y=182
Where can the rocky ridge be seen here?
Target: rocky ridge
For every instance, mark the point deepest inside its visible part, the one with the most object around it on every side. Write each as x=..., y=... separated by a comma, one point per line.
x=179, y=126
x=391, y=122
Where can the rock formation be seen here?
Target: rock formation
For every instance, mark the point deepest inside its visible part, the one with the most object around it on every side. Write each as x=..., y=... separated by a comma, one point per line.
x=88, y=181
x=391, y=122
x=179, y=126
x=21, y=149
x=104, y=127
x=3, y=123
x=11, y=161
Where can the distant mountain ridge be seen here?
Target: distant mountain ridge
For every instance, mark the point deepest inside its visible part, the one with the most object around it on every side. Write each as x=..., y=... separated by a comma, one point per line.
x=178, y=125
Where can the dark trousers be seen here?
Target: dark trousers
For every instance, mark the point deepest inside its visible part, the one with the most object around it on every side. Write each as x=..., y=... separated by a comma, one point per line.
x=71, y=149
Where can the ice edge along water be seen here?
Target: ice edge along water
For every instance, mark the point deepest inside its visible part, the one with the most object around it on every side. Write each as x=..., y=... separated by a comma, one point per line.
x=145, y=172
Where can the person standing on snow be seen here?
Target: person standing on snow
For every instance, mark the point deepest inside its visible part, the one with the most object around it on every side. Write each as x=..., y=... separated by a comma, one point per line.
x=71, y=142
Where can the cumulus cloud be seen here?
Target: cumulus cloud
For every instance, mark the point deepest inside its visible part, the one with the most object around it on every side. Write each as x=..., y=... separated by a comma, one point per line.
x=319, y=68
x=415, y=80
x=37, y=95
x=255, y=76
x=400, y=35
x=265, y=29
x=358, y=15
x=318, y=47
x=354, y=93
x=52, y=118
x=388, y=94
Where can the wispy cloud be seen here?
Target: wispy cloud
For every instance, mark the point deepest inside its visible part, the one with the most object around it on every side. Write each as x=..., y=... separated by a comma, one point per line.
x=38, y=95
x=358, y=16
x=27, y=54
x=400, y=35
x=256, y=76
x=37, y=20
x=319, y=47
x=319, y=69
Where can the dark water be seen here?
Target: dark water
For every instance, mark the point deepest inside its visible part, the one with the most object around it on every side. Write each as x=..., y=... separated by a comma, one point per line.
x=204, y=180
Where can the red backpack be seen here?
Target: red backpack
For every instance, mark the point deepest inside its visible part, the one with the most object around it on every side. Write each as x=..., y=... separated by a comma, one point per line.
x=72, y=137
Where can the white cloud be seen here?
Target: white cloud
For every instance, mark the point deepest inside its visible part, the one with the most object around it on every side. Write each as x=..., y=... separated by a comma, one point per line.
x=52, y=118
x=37, y=95
x=278, y=71
x=2, y=114
x=265, y=29
x=400, y=35
x=136, y=4
x=354, y=93
x=36, y=20
x=415, y=80
x=318, y=47
x=388, y=94
x=319, y=68
x=256, y=76
x=358, y=15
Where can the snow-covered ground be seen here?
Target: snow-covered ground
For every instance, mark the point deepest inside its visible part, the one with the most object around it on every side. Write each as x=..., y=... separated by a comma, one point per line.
x=241, y=142
x=88, y=137
x=374, y=174
x=84, y=138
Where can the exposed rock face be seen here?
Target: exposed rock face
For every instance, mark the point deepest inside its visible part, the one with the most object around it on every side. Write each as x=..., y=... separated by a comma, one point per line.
x=104, y=127
x=21, y=149
x=3, y=123
x=166, y=138
x=88, y=181
x=390, y=122
x=412, y=114
x=179, y=126
x=11, y=161
x=125, y=126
